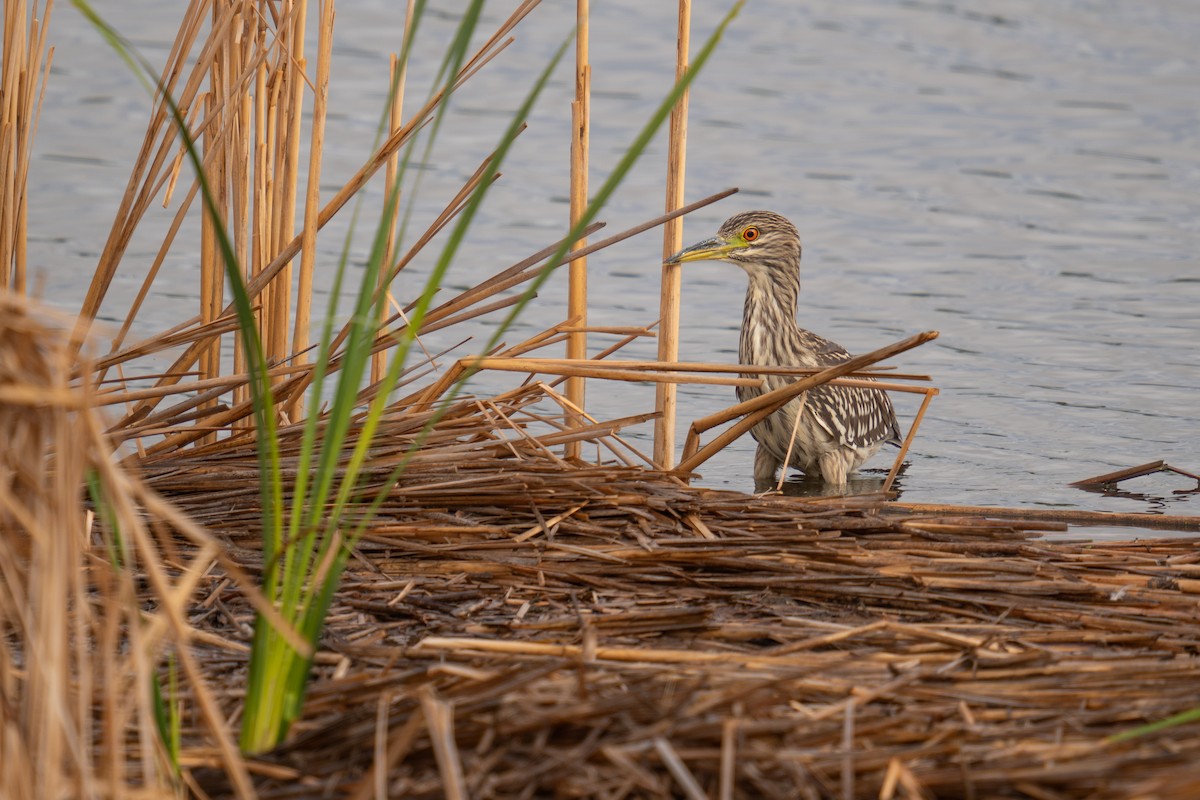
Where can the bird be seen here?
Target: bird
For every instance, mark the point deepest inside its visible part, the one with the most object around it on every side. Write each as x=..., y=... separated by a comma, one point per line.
x=840, y=426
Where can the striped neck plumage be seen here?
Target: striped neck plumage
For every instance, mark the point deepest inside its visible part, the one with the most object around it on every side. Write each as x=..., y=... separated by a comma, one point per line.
x=769, y=315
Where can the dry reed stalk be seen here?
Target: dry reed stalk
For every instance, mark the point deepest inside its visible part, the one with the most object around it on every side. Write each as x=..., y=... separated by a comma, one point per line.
x=24, y=64
x=678, y=769
x=1112, y=478
x=1121, y=474
x=639, y=655
x=1171, y=522
x=242, y=167
x=439, y=720
x=397, y=73
x=277, y=301
x=668, y=318
x=580, y=135
x=591, y=369
x=312, y=201
x=651, y=372
x=257, y=232
x=212, y=261
x=620, y=330
x=745, y=369
x=727, y=776
x=908, y=439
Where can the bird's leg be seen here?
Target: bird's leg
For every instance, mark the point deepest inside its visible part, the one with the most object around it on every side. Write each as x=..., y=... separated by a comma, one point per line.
x=765, y=467
x=834, y=467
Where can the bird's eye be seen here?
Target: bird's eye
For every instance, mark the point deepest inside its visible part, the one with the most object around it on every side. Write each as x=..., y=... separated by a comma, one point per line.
x=750, y=234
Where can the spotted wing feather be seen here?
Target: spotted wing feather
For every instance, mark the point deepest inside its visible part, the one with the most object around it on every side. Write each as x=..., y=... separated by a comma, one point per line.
x=852, y=416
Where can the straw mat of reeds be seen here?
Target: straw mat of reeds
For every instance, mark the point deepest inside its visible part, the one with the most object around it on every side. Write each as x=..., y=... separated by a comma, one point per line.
x=513, y=626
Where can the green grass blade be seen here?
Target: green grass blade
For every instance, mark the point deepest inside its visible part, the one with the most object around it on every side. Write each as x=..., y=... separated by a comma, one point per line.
x=1174, y=721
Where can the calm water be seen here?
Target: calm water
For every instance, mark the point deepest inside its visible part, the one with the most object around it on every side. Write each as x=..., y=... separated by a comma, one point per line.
x=1023, y=177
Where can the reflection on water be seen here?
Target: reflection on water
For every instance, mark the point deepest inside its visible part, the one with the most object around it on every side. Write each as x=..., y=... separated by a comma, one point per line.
x=1155, y=492
x=1023, y=177
x=865, y=481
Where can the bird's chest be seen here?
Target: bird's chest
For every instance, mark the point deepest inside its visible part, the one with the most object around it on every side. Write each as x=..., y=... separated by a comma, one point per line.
x=763, y=345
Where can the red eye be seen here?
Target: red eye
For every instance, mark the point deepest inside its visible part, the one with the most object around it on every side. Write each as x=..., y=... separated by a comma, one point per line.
x=750, y=234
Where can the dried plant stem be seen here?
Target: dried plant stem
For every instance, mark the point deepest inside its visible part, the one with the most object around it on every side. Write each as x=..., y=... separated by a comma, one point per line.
x=930, y=393
x=741, y=369
x=592, y=369
x=212, y=267
x=312, y=199
x=398, y=71
x=580, y=134
x=439, y=719
x=1073, y=516
x=801, y=401
x=668, y=318
x=679, y=771
x=285, y=85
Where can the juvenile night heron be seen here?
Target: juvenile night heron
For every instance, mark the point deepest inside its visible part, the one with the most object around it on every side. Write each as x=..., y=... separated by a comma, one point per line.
x=840, y=426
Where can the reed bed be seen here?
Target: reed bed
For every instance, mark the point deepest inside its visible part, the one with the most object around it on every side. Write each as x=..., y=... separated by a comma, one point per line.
x=511, y=627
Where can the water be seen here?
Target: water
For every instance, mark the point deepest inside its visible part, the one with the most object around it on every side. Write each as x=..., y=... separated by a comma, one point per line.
x=1023, y=177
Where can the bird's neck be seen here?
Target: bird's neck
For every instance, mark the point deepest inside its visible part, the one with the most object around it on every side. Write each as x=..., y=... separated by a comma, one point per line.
x=769, y=317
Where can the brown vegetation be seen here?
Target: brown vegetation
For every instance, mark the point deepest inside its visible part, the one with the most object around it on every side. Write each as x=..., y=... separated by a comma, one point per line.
x=536, y=609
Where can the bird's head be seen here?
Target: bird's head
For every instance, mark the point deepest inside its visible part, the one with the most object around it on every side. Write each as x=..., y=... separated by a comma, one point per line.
x=755, y=240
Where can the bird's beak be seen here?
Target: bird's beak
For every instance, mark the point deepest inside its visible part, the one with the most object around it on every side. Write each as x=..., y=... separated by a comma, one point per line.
x=714, y=249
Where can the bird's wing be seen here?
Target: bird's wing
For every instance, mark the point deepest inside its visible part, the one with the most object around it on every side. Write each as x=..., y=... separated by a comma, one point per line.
x=827, y=353
x=853, y=417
